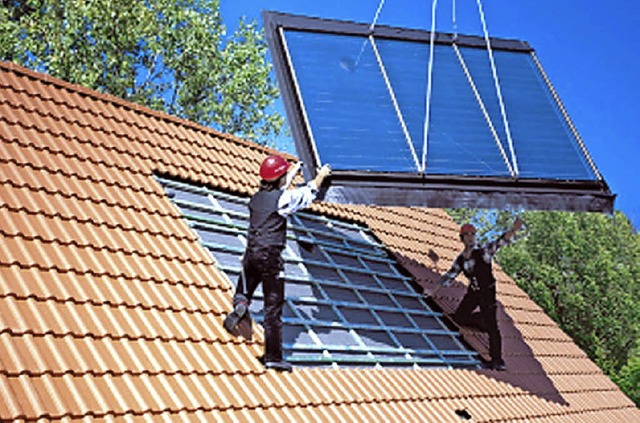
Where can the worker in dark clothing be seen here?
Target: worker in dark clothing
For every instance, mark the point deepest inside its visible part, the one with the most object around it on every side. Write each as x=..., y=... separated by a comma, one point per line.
x=262, y=260
x=475, y=263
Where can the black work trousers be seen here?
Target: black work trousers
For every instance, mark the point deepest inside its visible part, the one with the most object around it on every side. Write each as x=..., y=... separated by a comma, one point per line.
x=265, y=265
x=484, y=320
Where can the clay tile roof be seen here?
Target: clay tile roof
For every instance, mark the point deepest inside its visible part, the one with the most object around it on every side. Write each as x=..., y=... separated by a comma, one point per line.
x=110, y=307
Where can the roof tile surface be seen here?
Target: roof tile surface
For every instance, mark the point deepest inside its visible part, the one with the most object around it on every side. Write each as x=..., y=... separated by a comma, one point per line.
x=111, y=308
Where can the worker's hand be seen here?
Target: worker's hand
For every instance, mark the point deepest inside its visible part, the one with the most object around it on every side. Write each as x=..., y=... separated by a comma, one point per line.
x=517, y=224
x=324, y=171
x=291, y=174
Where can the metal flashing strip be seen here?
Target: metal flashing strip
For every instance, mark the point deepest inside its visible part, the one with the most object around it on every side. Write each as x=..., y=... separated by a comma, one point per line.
x=469, y=192
x=304, y=23
x=347, y=302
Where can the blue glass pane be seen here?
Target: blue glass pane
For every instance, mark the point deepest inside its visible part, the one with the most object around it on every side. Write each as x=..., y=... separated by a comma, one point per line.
x=406, y=64
x=350, y=111
x=544, y=144
x=479, y=66
x=355, y=126
x=460, y=141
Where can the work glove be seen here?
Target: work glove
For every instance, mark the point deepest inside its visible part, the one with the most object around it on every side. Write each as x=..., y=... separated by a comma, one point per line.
x=324, y=171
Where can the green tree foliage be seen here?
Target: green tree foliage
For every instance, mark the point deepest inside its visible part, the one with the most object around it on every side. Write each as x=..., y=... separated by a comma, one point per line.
x=583, y=269
x=170, y=55
x=628, y=377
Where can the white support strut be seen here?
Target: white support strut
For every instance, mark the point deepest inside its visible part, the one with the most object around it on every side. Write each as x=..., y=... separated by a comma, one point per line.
x=484, y=110
x=429, y=86
x=395, y=102
x=498, y=90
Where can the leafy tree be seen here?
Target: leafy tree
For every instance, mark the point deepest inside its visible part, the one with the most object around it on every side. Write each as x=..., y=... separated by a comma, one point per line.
x=629, y=377
x=583, y=269
x=170, y=55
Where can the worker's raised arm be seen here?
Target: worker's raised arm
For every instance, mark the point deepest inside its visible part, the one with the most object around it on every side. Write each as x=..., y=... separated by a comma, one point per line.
x=322, y=174
x=451, y=274
x=296, y=199
x=517, y=224
x=492, y=247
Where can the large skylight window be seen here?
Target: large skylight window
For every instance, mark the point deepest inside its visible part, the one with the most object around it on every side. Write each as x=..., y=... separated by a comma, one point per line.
x=347, y=302
x=360, y=100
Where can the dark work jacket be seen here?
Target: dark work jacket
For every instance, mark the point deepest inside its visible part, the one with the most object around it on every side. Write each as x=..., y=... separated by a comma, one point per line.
x=267, y=229
x=481, y=273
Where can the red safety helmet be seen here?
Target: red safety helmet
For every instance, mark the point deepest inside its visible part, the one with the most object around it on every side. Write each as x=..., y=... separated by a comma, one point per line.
x=273, y=167
x=467, y=228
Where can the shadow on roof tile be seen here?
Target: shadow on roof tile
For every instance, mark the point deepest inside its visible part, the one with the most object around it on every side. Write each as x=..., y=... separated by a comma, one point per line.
x=541, y=386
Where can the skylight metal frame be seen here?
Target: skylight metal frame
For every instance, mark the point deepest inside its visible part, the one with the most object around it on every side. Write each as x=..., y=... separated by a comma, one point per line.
x=420, y=189
x=388, y=296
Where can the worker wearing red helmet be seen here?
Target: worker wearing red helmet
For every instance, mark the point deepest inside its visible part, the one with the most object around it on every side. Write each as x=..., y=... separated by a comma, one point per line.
x=262, y=260
x=475, y=262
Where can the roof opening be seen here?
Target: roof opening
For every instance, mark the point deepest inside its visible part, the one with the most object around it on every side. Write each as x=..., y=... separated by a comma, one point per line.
x=347, y=302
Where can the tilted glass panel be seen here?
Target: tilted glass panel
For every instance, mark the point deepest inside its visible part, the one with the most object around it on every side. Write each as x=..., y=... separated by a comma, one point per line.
x=459, y=141
x=347, y=103
x=545, y=145
x=350, y=108
x=343, y=306
x=358, y=98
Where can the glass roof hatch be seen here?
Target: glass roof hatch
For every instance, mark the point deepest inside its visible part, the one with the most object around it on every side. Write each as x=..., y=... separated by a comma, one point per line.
x=402, y=123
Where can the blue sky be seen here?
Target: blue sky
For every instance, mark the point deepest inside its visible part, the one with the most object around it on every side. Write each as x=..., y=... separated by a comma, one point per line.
x=589, y=49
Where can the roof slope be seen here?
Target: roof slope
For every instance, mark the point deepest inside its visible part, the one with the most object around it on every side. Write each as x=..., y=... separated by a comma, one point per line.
x=110, y=307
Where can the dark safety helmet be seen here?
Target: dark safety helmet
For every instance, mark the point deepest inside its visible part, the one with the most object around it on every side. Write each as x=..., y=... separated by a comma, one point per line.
x=273, y=167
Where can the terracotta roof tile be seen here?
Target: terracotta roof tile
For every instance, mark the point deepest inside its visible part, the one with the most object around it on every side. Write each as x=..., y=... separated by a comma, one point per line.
x=110, y=307
x=29, y=401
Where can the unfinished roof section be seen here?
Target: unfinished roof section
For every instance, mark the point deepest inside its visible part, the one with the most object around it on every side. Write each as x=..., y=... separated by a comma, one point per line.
x=347, y=302
x=357, y=99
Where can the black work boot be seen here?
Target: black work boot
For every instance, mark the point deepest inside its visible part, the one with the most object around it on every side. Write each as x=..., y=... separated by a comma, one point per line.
x=497, y=365
x=280, y=366
x=233, y=318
